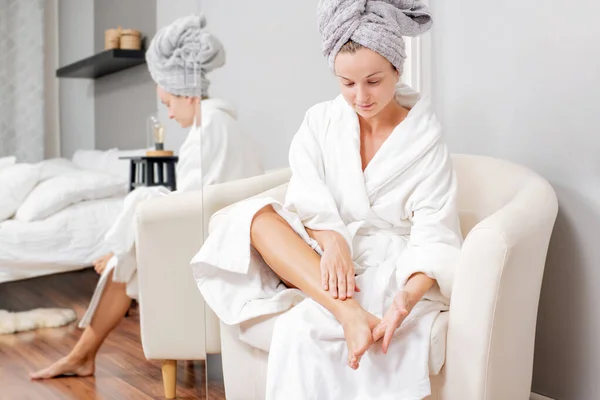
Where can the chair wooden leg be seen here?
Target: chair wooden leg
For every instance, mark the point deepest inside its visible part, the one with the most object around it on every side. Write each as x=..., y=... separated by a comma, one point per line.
x=169, y=374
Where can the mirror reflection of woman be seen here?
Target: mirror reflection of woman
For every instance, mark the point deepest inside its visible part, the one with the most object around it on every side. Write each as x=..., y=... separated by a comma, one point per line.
x=218, y=142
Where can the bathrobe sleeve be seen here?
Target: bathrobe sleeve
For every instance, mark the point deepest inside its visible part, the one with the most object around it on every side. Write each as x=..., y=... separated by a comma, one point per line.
x=308, y=194
x=435, y=239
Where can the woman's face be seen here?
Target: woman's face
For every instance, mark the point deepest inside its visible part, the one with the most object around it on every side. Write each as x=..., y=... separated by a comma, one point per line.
x=367, y=80
x=181, y=109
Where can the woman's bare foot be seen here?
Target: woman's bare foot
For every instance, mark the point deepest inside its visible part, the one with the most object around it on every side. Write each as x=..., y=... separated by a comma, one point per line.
x=100, y=264
x=69, y=365
x=358, y=325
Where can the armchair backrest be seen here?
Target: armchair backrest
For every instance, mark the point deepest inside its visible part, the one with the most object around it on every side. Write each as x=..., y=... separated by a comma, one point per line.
x=486, y=184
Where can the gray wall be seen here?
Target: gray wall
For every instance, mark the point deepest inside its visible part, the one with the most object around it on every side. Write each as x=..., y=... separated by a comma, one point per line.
x=520, y=80
x=168, y=11
x=124, y=100
x=275, y=70
x=76, y=96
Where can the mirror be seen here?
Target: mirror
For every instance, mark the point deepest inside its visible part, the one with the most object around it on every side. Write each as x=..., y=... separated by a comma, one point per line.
x=75, y=120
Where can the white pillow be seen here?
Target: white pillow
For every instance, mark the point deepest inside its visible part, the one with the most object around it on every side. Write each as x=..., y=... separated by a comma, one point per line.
x=16, y=182
x=55, y=167
x=94, y=160
x=58, y=193
x=7, y=161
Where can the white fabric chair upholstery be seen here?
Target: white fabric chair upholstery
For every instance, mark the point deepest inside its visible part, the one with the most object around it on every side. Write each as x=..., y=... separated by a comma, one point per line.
x=507, y=216
x=174, y=321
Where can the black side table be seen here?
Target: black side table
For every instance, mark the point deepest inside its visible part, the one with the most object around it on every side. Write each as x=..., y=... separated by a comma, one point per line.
x=152, y=171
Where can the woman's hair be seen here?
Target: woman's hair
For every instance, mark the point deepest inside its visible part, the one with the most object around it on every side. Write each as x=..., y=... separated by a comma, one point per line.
x=351, y=47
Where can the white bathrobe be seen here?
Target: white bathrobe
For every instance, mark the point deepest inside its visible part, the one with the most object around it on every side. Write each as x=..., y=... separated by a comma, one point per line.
x=399, y=217
x=226, y=155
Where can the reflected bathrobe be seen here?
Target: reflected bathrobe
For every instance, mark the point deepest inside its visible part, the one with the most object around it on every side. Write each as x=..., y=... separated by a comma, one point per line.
x=226, y=156
x=398, y=217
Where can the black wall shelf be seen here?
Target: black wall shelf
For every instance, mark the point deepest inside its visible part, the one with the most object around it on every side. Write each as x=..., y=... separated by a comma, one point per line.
x=101, y=64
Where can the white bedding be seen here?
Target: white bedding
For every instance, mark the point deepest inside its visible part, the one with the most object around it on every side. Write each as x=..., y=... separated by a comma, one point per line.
x=61, y=221
x=73, y=187
x=68, y=240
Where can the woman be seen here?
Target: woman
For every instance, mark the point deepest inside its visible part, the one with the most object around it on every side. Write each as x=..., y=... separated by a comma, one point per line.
x=217, y=142
x=363, y=247
x=226, y=153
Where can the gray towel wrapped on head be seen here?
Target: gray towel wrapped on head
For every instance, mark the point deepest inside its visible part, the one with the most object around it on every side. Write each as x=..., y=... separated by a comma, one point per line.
x=182, y=50
x=376, y=24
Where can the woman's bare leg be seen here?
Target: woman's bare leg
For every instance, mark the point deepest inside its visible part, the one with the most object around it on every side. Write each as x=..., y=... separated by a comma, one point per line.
x=299, y=266
x=112, y=307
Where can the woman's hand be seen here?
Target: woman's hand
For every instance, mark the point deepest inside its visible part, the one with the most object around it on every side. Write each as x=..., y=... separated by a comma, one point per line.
x=393, y=318
x=337, y=268
x=416, y=286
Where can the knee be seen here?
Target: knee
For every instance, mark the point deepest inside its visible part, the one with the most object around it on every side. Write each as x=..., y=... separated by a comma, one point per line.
x=263, y=221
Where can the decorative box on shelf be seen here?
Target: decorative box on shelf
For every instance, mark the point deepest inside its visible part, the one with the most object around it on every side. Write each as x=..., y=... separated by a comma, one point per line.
x=123, y=49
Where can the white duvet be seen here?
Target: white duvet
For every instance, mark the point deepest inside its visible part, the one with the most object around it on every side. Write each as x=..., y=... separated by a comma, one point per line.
x=68, y=240
x=54, y=214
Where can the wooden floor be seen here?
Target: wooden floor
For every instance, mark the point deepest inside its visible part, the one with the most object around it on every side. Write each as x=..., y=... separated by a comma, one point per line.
x=122, y=371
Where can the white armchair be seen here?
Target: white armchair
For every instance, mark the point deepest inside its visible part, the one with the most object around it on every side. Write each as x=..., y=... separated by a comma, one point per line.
x=175, y=324
x=507, y=216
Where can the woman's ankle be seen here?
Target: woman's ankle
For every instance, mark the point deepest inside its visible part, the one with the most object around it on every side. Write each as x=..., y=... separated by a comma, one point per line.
x=346, y=309
x=82, y=353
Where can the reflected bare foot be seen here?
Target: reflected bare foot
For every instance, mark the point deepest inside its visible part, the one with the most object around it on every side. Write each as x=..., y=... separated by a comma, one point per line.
x=69, y=365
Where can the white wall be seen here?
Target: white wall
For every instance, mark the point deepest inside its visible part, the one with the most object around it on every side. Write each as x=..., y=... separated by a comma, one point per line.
x=275, y=70
x=125, y=99
x=521, y=81
x=76, y=96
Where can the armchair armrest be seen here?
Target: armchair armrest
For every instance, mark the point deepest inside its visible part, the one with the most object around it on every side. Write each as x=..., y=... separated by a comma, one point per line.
x=174, y=322
x=493, y=311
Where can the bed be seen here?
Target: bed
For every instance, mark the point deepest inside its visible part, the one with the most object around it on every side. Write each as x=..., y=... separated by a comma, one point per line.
x=54, y=214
